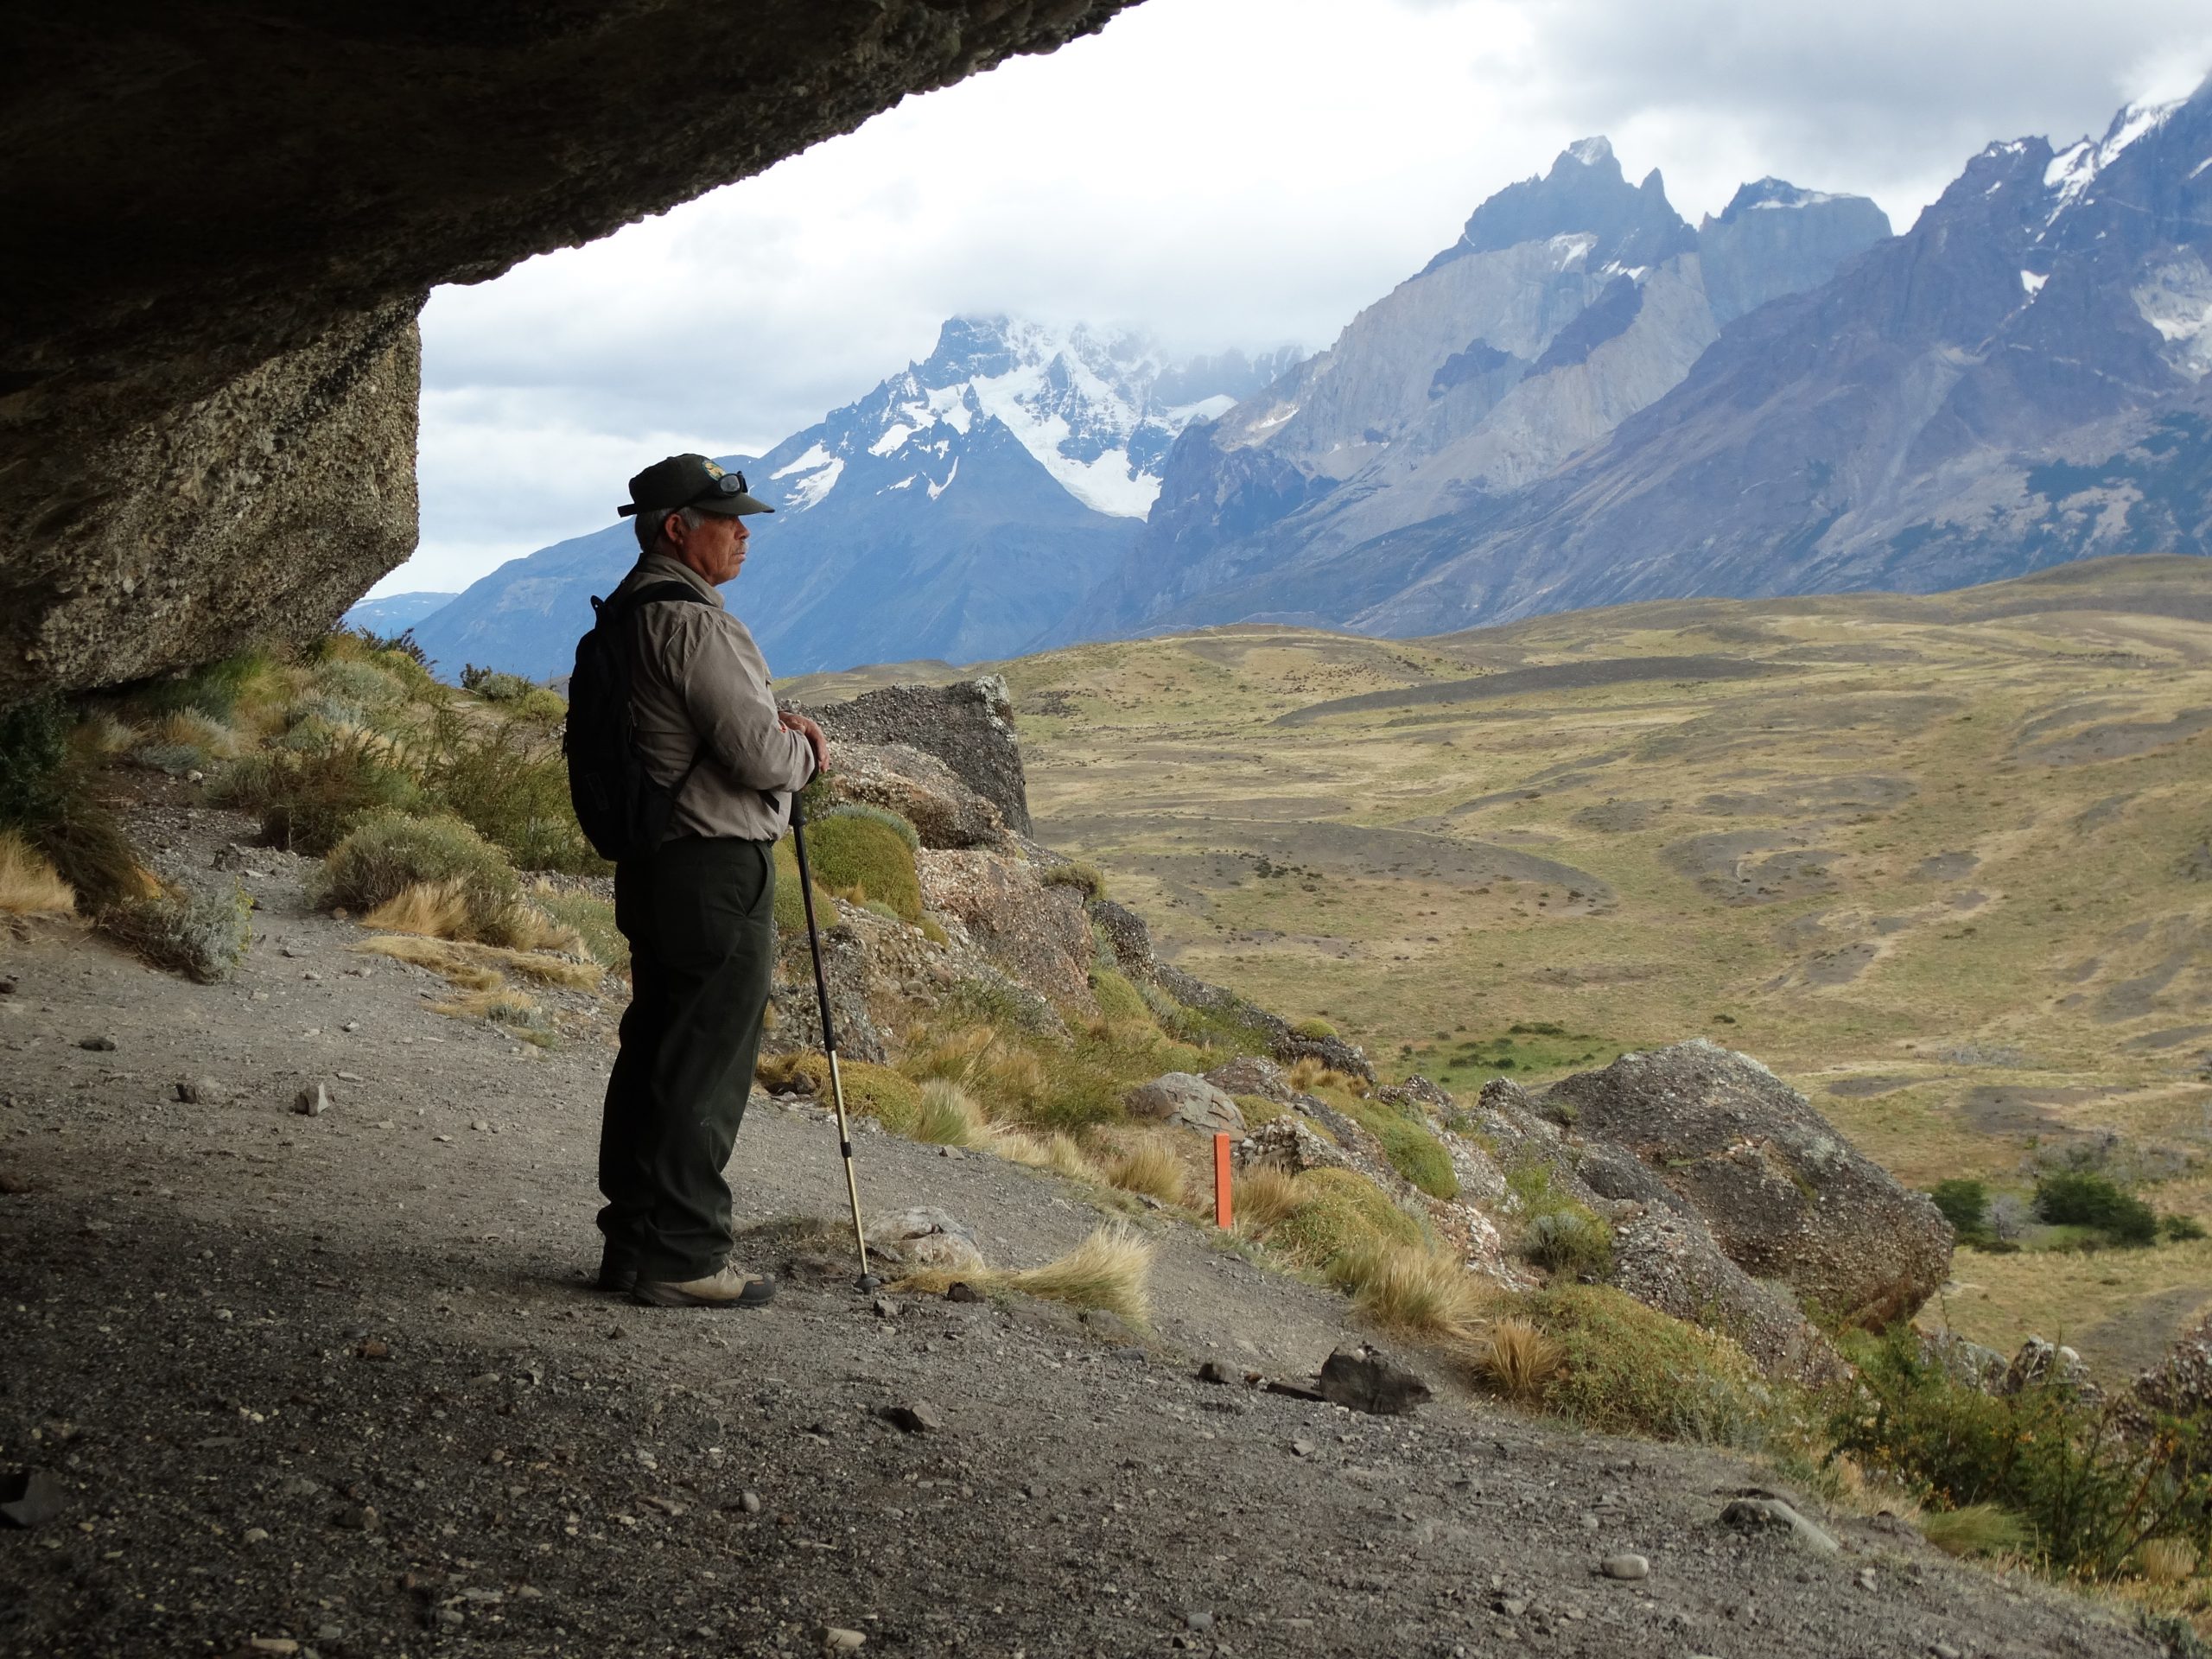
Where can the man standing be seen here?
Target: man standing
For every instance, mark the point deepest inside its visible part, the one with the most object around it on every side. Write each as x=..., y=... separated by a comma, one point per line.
x=698, y=909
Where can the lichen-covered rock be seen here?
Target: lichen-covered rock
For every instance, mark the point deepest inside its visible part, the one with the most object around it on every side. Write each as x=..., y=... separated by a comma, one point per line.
x=1186, y=1102
x=1250, y=1074
x=1783, y=1194
x=1039, y=934
x=926, y=1237
x=945, y=813
x=2181, y=1382
x=1968, y=1363
x=1670, y=1263
x=1126, y=936
x=968, y=726
x=2041, y=1362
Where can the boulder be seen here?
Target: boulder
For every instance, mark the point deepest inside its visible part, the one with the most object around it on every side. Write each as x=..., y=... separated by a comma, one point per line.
x=968, y=726
x=1039, y=934
x=1783, y=1194
x=1187, y=1101
x=926, y=1237
x=2041, y=1362
x=945, y=813
x=2182, y=1383
x=1249, y=1074
x=1126, y=936
x=1669, y=1263
x=1361, y=1378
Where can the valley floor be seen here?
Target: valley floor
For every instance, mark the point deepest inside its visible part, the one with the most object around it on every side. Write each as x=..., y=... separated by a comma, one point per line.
x=338, y=1382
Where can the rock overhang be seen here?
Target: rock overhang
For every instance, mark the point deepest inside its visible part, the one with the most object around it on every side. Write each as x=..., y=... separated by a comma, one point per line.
x=224, y=217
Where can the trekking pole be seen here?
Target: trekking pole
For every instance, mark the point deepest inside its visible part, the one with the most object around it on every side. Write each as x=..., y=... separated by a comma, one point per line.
x=868, y=1281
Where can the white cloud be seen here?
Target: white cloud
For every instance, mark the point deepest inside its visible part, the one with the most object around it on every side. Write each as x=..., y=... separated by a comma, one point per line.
x=1222, y=172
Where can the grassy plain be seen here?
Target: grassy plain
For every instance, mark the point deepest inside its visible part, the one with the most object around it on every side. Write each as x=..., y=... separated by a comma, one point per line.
x=1944, y=862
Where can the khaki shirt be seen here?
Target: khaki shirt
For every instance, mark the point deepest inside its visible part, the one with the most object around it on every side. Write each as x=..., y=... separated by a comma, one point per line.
x=701, y=691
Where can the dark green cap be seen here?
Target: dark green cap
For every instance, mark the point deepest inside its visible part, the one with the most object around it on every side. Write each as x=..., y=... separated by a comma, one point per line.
x=690, y=482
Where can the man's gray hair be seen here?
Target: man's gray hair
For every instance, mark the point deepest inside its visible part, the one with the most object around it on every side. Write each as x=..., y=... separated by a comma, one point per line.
x=650, y=525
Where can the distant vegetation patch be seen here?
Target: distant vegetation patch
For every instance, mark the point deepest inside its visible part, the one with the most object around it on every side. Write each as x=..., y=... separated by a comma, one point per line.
x=1524, y=1049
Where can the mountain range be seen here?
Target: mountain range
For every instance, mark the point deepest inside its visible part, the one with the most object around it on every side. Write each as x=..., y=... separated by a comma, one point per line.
x=1584, y=400
x=960, y=509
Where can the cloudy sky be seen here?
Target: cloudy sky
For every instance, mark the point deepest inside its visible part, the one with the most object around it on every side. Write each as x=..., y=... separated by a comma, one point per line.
x=1218, y=171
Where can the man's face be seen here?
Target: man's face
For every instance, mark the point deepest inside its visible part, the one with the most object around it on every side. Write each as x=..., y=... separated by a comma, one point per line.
x=714, y=548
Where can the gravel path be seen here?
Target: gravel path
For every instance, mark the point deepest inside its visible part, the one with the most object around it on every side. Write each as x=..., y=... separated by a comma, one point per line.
x=338, y=1382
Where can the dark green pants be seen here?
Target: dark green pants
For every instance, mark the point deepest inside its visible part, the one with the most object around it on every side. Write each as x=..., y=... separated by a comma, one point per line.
x=701, y=919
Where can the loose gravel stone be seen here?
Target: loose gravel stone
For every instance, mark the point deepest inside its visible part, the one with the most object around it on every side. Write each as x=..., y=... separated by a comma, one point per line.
x=1626, y=1567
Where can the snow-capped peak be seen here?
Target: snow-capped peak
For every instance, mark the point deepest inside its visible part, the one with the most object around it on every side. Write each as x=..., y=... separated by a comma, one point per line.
x=1589, y=152
x=2072, y=170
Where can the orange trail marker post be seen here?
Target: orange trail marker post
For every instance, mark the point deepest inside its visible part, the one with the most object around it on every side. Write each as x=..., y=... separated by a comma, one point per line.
x=1221, y=1208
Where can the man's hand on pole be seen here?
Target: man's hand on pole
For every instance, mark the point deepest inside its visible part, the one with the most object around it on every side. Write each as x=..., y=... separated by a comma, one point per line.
x=792, y=721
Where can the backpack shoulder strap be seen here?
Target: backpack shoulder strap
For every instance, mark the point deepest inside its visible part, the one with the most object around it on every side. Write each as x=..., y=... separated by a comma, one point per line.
x=653, y=592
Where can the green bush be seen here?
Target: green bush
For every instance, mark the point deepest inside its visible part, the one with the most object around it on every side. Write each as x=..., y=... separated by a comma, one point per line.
x=493, y=686
x=2182, y=1229
x=863, y=859
x=2084, y=1198
x=1626, y=1369
x=308, y=795
x=1964, y=1203
x=1075, y=874
x=213, y=690
x=1340, y=1219
x=872, y=1091
x=897, y=823
x=362, y=684
x=790, y=906
x=2090, y=1491
x=47, y=795
x=203, y=935
x=592, y=917
x=1412, y=1150
x=388, y=852
x=509, y=781
x=1570, y=1241
x=1118, y=1000
x=1317, y=1030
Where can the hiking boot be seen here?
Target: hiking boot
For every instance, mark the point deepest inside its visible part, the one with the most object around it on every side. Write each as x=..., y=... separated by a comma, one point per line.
x=618, y=1270
x=730, y=1287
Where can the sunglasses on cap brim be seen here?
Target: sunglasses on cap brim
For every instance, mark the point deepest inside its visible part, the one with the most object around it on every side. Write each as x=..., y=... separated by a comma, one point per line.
x=728, y=483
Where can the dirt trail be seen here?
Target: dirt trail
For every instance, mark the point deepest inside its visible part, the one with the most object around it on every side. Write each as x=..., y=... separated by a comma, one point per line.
x=519, y=1466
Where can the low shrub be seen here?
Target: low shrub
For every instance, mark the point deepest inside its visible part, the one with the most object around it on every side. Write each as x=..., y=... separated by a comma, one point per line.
x=863, y=859
x=2084, y=1198
x=1075, y=874
x=1414, y=1150
x=1569, y=1241
x=493, y=686
x=1117, y=999
x=1262, y=1196
x=49, y=797
x=509, y=779
x=898, y=823
x=791, y=904
x=1626, y=1369
x=1316, y=1029
x=1964, y=1203
x=215, y=689
x=591, y=917
x=876, y=1091
x=2181, y=1229
x=1340, y=1220
x=387, y=853
x=311, y=792
x=359, y=681
x=2090, y=1484
x=1030, y=1079
x=201, y=935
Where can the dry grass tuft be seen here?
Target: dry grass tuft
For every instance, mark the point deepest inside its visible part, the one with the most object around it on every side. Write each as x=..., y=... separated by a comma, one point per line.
x=434, y=910
x=1974, y=1529
x=29, y=885
x=2167, y=1560
x=1262, y=1196
x=1421, y=1291
x=1150, y=1168
x=1057, y=1152
x=479, y=967
x=1110, y=1270
x=1307, y=1074
x=1517, y=1359
x=949, y=1116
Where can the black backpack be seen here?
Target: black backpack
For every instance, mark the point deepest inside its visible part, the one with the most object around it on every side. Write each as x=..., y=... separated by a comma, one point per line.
x=624, y=811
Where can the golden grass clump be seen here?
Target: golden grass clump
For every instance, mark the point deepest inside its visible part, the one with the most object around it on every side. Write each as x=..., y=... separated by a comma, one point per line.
x=1150, y=1169
x=1517, y=1359
x=1057, y=1152
x=1975, y=1529
x=29, y=885
x=1110, y=1270
x=876, y=1091
x=1308, y=1074
x=949, y=1116
x=1421, y=1292
x=2167, y=1560
x=1339, y=1219
x=1262, y=1196
x=478, y=967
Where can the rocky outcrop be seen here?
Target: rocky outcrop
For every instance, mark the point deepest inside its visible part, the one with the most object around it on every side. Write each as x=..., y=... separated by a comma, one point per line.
x=1037, y=933
x=969, y=726
x=1187, y=1101
x=1785, y=1196
x=208, y=383
x=945, y=812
